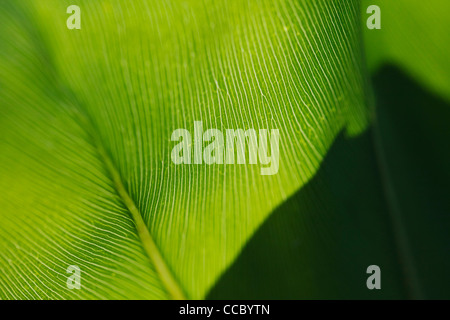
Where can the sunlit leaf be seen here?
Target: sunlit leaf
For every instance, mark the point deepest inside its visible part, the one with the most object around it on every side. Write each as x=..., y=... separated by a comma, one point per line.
x=86, y=122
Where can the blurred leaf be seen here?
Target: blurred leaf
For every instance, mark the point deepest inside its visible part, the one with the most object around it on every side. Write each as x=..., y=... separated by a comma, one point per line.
x=415, y=36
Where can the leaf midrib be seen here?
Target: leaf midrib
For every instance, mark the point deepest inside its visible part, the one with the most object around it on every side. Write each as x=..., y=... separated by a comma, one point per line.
x=152, y=251
x=146, y=238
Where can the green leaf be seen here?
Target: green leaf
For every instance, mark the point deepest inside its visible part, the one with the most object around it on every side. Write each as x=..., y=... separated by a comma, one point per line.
x=414, y=36
x=87, y=179
x=380, y=197
x=86, y=121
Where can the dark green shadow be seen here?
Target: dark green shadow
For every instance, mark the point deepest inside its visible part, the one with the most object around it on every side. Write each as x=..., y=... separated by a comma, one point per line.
x=319, y=243
x=415, y=131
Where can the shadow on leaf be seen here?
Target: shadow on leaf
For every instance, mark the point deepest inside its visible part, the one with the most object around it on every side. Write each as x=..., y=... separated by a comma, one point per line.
x=319, y=243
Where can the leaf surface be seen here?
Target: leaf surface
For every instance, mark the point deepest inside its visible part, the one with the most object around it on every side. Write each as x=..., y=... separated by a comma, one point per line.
x=86, y=119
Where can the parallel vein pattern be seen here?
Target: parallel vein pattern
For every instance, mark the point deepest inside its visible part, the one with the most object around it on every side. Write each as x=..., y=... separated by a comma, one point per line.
x=147, y=240
x=140, y=70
